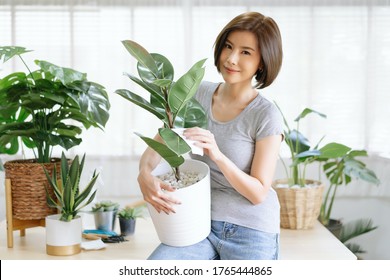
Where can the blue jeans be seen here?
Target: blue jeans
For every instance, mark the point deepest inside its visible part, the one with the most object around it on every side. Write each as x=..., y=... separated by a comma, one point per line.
x=225, y=242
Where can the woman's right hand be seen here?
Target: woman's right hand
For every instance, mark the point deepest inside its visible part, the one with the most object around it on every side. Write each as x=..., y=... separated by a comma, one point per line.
x=157, y=193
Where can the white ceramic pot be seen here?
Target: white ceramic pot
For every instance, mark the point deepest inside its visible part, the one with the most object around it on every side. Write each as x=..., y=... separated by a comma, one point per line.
x=63, y=238
x=192, y=221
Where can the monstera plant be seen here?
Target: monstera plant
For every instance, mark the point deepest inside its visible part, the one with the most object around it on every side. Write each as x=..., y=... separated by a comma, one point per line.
x=171, y=102
x=45, y=107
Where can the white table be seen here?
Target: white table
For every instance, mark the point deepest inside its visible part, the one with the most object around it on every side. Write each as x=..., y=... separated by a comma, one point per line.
x=314, y=244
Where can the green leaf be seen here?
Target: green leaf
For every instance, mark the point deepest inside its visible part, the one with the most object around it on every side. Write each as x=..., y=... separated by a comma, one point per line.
x=164, y=69
x=93, y=102
x=356, y=228
x=152, y=89
x=85, y=193
x=162, y=82
x=306, y=154
x=169, y=155
x=334, y=150
x=193, y=114
x=357, y=169
x=307, y=111
x=141, y=55
x=185, y=88
x=8, y=145
x=7, y=52
x=174, y=141
x=138, y=100
x=292, y=138
x=65, y=75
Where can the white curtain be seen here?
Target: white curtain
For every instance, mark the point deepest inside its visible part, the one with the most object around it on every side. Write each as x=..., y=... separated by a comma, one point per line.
x=336, y=59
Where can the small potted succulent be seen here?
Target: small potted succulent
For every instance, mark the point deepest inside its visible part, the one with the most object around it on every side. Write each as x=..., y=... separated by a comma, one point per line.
x=127, y=218
x=105, y=214
x=64, y=230
x=174, y=104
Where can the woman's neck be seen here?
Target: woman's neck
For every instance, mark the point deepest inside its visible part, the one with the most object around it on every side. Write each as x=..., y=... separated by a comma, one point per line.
x=242, y=94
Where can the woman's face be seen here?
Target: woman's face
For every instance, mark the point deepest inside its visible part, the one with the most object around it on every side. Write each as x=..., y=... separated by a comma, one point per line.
x=240, y=57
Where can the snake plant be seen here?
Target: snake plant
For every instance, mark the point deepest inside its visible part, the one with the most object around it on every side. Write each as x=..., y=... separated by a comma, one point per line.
x=69, y=199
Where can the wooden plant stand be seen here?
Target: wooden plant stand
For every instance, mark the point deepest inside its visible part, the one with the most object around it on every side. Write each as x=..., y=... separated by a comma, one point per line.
x=16, y=224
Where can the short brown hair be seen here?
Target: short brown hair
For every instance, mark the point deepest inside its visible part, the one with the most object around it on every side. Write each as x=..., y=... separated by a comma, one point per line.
x=269, y=39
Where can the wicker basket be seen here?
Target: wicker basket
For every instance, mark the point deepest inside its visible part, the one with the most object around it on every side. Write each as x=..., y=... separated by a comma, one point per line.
x=299, y=207
x=27, y=187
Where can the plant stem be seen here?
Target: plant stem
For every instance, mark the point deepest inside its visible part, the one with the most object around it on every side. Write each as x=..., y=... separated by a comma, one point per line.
x=284, y=165
x=170, y=122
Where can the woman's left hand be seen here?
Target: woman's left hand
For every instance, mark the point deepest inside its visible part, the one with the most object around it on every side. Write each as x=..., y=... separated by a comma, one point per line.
x=204, y=139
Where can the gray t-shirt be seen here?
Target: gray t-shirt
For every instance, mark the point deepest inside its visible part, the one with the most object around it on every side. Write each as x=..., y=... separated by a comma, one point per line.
x=236, y=139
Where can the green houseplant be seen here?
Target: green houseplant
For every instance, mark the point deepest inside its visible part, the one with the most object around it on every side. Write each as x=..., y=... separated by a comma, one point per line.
x=36, y=105
x=127, y=218
x=171, y=102
x=174, y=104
x=105, y=205
x=340, y=165
x=63, y=231
x=39, y=110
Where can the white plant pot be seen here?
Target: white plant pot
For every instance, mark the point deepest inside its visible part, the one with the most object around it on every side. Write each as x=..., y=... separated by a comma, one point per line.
x=63, y=238
x=192, y=221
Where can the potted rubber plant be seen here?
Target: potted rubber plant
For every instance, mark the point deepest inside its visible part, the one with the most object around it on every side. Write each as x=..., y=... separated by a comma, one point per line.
x=41, y=109
x=127, y=218
x=64, y=230
x=173, y=103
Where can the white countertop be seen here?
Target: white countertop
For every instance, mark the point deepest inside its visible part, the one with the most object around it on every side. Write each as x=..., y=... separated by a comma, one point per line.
x=313, y=244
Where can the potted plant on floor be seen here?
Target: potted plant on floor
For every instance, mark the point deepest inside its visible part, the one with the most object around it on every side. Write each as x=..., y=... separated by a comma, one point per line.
x=64, y=230
x=340, y=171
x=174, y=104
x=105, y=214
x=128, y=217
x=42, y=109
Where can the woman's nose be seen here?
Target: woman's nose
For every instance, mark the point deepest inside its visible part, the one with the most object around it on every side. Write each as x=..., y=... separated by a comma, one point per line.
x=233, y=58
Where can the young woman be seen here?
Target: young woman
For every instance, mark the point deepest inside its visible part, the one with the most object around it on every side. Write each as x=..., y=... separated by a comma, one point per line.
x=241, y=148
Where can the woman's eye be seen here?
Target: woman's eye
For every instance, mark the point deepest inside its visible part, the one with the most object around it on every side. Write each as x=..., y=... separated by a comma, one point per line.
x=246, y=53
x=228, y=46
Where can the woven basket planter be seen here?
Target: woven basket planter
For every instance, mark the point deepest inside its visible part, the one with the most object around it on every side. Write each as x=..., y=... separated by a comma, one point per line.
x=299, y=207
x=27, y=186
